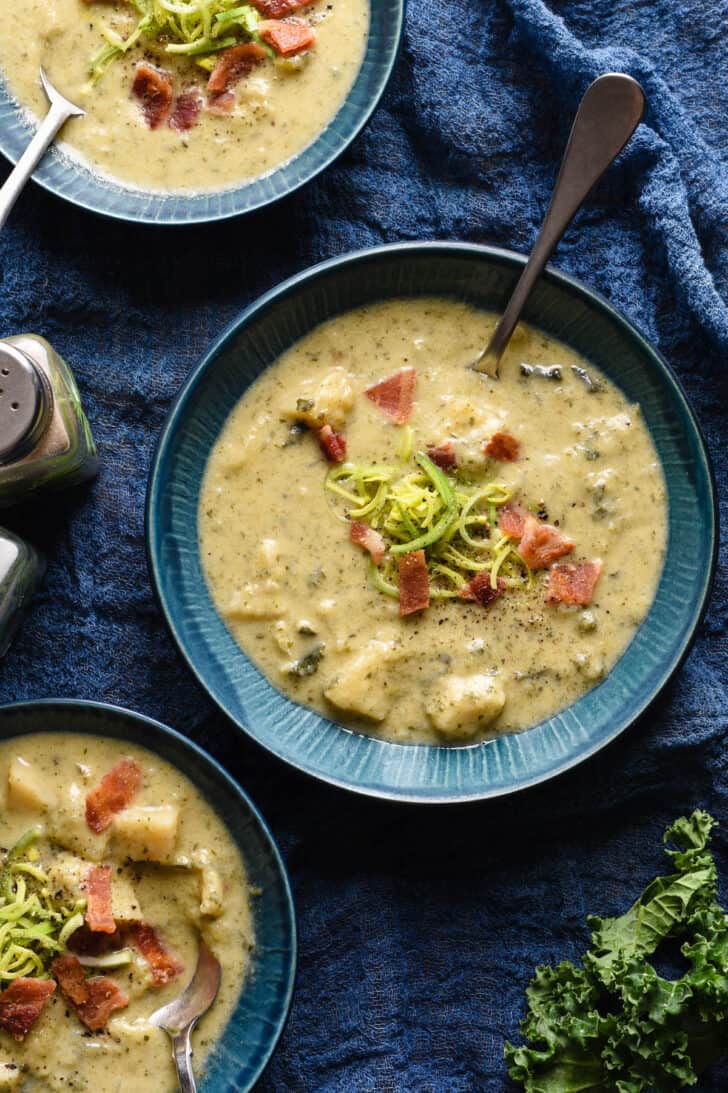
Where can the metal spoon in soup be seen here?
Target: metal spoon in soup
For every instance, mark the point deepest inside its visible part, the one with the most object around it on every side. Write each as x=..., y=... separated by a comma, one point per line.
x=178, y=1018
x=612, y=108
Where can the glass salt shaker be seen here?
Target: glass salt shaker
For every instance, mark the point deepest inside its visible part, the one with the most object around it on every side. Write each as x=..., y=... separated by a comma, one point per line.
x=21, y=569
x=45, y=439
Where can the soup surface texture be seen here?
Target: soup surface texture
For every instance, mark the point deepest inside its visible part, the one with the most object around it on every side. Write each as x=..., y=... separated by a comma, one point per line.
x=279, y=107
x=173, y=871
x=551, y=467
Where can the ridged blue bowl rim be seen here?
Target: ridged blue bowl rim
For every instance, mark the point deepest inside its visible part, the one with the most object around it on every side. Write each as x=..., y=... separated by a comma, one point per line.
x=69, y=179
x=432, y=250
x=104, y=710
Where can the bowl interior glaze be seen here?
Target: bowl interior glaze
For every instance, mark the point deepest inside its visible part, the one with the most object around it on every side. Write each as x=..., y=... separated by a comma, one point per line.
x=242, y=1054
x=484, y=277
x=71, y=180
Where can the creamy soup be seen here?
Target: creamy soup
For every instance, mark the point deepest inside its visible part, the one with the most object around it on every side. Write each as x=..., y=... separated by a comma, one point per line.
x=549, y=465
x=104, y=818
x=277, y=108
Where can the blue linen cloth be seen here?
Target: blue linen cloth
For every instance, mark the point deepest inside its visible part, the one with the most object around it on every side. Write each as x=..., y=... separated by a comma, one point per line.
x=419, y=928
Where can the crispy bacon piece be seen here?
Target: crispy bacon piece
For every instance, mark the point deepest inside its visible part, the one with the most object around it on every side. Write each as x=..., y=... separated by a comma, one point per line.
x=221, y=104
x=481, y=591
x=414, y=585
x=395, y=395
x=542, y=544
x=163, y=965
x=99, y=916
x=367, y=537
x=287, y=38
x=333, y=445
x=232, y=65
x=573, y=583
x=153, y=87
x=115, y=792
x=512, y=521
x=71, y=977
x=277, y=9
x=104, y=998
x=22, y=1003
x=503, y=447
x=186, y=111
x=443, y=455
x=93, y=1000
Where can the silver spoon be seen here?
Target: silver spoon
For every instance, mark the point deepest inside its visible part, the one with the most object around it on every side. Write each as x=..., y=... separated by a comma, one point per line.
x=61, y=110
x=180, y=1017
x=612, y=108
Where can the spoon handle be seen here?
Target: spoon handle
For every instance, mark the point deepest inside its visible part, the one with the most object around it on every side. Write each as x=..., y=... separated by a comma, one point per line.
x=60, y=111
x=30, y=158
x=608, y=115
x=182, y=1052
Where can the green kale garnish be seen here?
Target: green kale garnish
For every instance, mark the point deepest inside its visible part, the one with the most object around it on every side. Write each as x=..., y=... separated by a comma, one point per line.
x=616, y=1025
x=307, y=665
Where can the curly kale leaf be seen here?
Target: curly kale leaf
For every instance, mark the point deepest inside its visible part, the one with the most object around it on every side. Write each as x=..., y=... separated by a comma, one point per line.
x=617, y=1025
x=562, y=1016
x=707, y=953
x=665, y=905
x=691, y=838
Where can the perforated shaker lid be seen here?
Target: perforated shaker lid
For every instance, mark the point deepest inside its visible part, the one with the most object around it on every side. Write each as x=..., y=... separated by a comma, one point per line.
x=25, y=403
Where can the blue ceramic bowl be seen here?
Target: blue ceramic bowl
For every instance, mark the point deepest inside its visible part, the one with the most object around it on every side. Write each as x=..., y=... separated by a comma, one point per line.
x=484, y=277
x=256, y=1025
x=69, y=179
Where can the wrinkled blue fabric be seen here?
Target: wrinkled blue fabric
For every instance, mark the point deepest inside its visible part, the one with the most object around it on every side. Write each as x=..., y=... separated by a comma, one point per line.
x=419, y=928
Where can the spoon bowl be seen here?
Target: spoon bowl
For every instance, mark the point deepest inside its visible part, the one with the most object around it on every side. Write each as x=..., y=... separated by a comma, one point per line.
x=55, y=98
